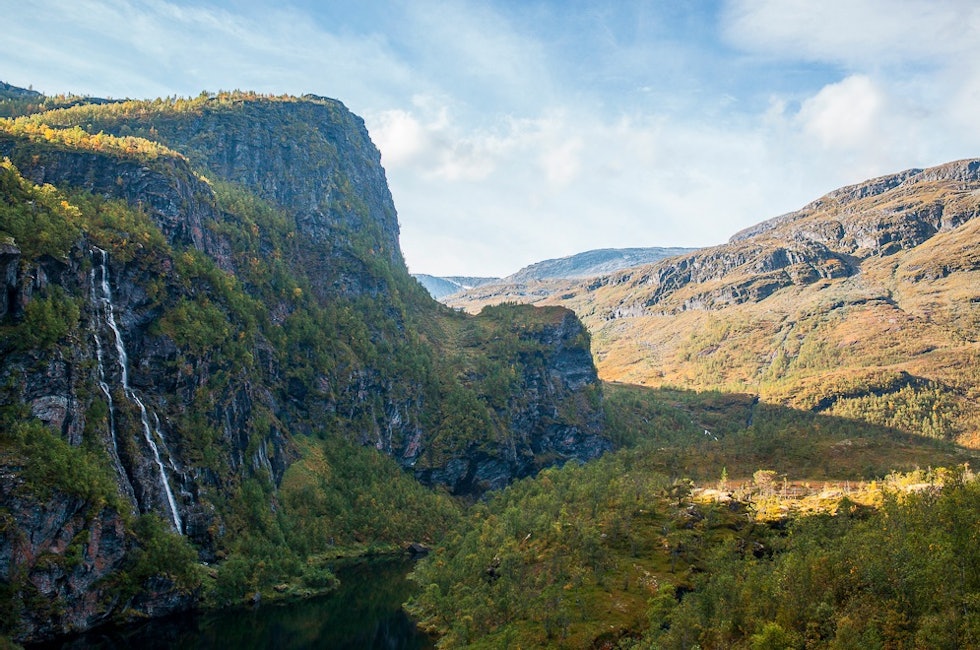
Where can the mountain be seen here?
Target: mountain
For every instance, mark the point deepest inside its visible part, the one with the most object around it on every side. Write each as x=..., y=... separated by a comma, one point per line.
x=776, y=389
x=865, y=303
x=212, y=351
x=542, y=279
x=439, y=287
x=592, y=263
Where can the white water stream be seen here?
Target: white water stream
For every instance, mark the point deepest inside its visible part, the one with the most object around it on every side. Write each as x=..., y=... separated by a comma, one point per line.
x=123, y=358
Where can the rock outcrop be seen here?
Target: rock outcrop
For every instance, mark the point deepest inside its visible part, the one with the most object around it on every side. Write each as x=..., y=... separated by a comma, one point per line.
x=551, y=415
x=73, y=555
x=180, y=204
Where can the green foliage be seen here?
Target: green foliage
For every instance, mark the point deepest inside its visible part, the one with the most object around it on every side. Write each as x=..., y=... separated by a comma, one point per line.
x=50, y=463
x=904, y=576
x=930, y=411
x=160, y=552
x=126, y=231
x=341, y=495
x=197, y=325
x=47, y=320
x=593, y=554
x=39, y=219
x=697, y=434
x=562, y=558
x=336, y=499
x=462, y=421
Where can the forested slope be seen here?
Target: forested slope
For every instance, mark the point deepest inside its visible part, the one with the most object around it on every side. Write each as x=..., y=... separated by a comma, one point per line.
x=212, y=350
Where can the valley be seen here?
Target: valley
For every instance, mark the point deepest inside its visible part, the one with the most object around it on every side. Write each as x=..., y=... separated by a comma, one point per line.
x=218, y=378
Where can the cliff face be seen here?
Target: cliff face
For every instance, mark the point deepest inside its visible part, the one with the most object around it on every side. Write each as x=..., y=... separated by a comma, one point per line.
x=180, y=319
x=543, y=394
x=180, y=204
x=70, y=551
x=827, y=239
x=310, y=156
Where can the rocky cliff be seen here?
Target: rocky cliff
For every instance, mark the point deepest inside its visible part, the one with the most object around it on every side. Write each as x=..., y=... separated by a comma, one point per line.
x=183, y=312
x=310, y=156
x=541, y=390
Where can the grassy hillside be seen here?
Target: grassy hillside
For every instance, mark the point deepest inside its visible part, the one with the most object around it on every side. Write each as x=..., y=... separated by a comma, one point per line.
x=864, y=304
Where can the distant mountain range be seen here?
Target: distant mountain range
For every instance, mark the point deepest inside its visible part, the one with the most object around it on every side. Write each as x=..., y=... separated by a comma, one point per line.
x=440, y=287
x=582, y=265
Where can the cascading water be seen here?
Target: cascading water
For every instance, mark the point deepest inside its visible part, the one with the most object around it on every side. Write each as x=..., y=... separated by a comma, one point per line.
x=104, y=386
x=123, y=358
x=102, y=383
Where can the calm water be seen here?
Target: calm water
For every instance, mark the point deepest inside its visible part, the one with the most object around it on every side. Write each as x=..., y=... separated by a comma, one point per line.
x=364, y=613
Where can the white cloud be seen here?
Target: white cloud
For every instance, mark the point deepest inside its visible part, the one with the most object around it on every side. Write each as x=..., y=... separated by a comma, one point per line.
x=561, y=163
x=494, y=163
x=399, y=135
x=856, y=32
x=907, y=90
x=844, y=115
x=145, y=48
x=571, y=181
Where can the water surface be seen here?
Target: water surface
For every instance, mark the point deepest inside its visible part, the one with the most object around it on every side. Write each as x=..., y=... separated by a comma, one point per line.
x=364, y=613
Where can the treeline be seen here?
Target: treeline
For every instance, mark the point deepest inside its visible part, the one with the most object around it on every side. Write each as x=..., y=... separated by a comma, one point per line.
x=611, y=554
x=77, y=138
x=905, y=575
x=629, y=552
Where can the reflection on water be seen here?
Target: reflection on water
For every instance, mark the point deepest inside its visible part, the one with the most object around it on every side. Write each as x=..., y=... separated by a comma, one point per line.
x=364, y=613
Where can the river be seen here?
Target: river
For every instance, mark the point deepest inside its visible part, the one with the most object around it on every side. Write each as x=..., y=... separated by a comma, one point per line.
x=364, y=613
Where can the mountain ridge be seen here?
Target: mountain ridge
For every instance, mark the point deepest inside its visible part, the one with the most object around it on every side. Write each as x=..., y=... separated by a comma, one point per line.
x=593, y=263
x=440, y=287
x=572, y=267
x=816, y=308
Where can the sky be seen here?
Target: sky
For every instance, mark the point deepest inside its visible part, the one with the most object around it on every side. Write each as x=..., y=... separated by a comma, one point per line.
x=517, y=131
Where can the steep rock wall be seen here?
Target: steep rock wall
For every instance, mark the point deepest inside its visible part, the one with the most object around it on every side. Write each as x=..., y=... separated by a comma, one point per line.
x=183, y=424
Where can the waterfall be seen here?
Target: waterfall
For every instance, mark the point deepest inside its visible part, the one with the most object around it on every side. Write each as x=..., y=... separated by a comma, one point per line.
x=128, y=391
x=126, y=483
x=102, y=383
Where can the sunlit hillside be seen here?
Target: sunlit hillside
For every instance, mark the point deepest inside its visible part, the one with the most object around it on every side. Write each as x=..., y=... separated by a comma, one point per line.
x=865, y=303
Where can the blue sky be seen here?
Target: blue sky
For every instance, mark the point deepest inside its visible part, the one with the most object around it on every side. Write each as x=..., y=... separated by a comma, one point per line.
x=513, y=132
